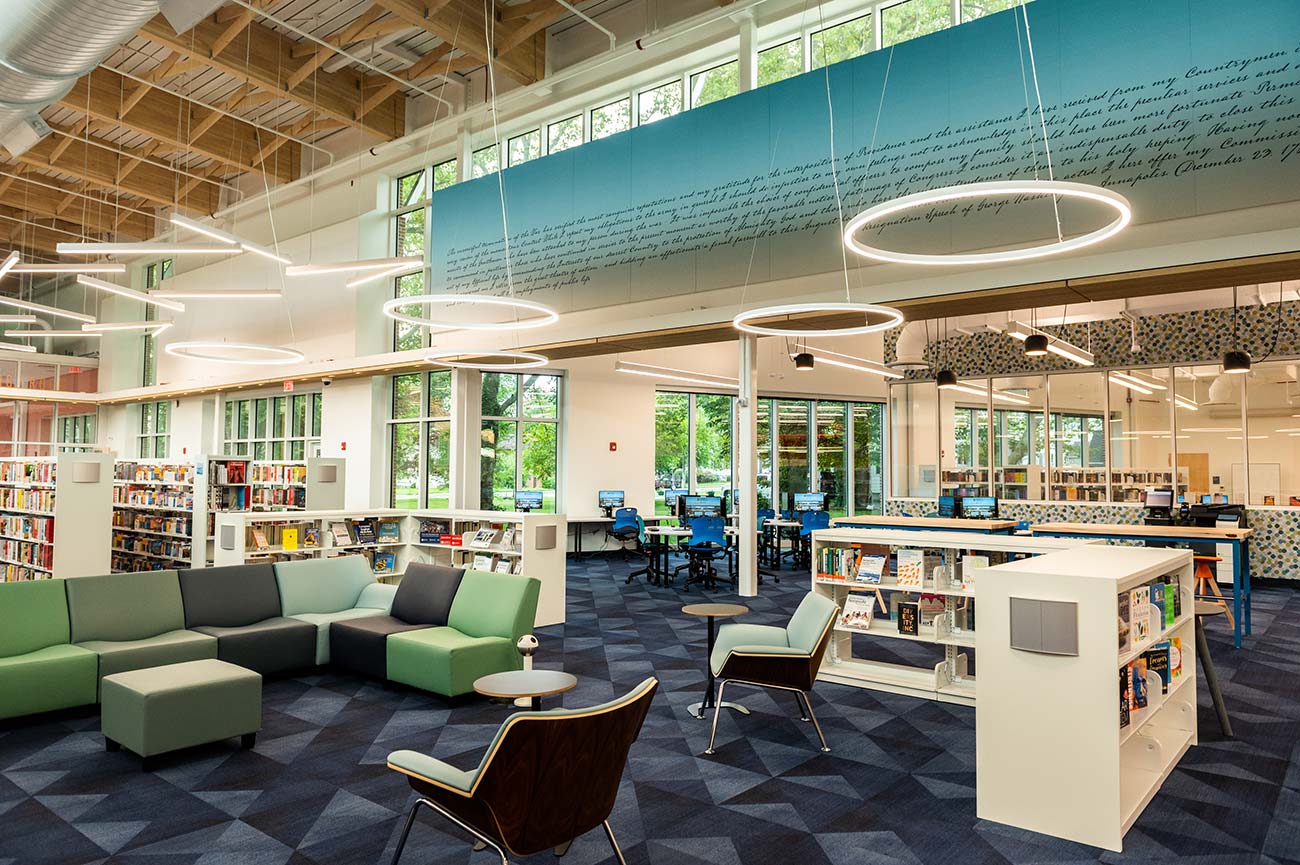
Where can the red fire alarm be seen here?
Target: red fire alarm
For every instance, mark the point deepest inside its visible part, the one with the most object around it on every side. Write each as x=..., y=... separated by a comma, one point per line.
x=613, y=446
x=343, y=446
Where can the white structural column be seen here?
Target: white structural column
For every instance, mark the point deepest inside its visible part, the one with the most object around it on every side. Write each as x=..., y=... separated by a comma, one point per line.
x=464, y=155
x=747, y=465
x=466, y=436
x=748, y=55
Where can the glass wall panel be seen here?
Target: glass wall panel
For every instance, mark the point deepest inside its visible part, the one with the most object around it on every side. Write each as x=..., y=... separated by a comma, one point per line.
x=404, y=478
x=868, y=458
x=1019, y=447
x=1210, y=444
x=1141, y=441
x=713, y=443
x=763, y=442
x=965, y=452
x=538, y=461
x=438, y=494
x=497, y=465
x=832, y=458
x=1078, y=439
x=914, y=439
x=672, y=440
x=780, y=62
x=792, y=449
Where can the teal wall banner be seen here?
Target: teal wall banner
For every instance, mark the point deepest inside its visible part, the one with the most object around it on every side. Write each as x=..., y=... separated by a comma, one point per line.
x=1187, y=107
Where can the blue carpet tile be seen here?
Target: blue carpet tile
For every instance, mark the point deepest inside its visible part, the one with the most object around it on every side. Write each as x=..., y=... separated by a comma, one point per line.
x=898, y=787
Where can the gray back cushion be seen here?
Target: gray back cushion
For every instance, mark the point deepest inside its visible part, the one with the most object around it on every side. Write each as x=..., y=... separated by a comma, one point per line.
x=425, y=593
x=230, y=596
x=121, y=607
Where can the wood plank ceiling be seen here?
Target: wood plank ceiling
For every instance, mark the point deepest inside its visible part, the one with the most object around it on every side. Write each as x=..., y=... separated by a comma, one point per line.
x=179, y=120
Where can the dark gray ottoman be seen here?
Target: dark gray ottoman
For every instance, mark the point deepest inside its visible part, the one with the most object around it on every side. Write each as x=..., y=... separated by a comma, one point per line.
x=160, y=709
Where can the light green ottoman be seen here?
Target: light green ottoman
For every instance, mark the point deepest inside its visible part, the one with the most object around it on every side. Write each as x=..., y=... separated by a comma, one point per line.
x=160, y=709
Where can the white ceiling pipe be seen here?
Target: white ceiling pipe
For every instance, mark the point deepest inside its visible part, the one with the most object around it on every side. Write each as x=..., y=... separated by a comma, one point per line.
x=909, y=351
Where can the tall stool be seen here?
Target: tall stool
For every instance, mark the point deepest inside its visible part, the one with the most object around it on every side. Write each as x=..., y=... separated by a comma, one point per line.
x=1207, y=584
x=1203, y=660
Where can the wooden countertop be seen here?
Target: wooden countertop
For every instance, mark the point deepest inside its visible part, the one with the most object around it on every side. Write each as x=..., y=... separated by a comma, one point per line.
x=1172, y=532
x=926, y=523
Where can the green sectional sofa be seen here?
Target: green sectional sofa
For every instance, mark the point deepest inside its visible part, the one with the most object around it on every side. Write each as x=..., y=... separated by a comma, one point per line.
x=39, y=670
x=323, y=591
x=132, y=621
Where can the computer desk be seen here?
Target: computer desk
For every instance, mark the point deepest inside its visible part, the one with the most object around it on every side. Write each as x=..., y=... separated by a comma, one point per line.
x=948, y=524
x=579, y=522
x=1238, y=538
x=660, y=550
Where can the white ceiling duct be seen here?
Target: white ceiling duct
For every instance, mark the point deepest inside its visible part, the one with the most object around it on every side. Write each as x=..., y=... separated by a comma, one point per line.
x=1224, y=391
x=909, y=351
x=46, y=46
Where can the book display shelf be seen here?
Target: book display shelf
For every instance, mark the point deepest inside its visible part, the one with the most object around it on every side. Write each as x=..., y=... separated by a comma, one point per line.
x=910, y=585
x=1078, y=726
x=965, y=482
x=160, y=515
x=44, y=498
x=1079, y=485
x=1128, y=485
x=530, y=544
x=1018, y=482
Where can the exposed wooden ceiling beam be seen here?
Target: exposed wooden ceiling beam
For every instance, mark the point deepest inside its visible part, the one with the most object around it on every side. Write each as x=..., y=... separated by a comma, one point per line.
x=525, y=10
x=166, y=117
x=96, y=215
x=261, y=56
x=343, y=37
x=460, y=24
x=507, y=42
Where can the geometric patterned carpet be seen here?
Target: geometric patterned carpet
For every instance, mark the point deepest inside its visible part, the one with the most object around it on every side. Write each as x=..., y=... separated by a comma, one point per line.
x=898, y=786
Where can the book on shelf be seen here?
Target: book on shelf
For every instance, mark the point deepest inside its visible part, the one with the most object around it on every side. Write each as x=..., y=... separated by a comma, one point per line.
x=259, y=539
x=518, y=567
x=385, y=563
x=451, y=539
x=909, y=618
x=340, y=535
x=482, y=562
x=872, y=568
x=1140, y=613
x=503, y=565
x=913, y=565
x=1137, y=669
x=857, y=613
x=1125, y=697
x=970, y=566
x=389, y=531
x=930, y=607
x=1157, y=661
x=311, y=536
x=432, y=531
x=508, y=537
x=364, y=531
x=482, y=538
x=289, y=538
x=837, y=563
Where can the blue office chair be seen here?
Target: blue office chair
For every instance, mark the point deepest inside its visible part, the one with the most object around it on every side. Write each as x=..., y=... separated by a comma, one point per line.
x=642, y=548
x=624, y=529
x=790, y=534
x=707, y=544
x=812, y=521
x=764, y=540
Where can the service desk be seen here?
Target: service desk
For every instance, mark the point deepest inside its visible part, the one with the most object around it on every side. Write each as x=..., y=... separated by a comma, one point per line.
x=947, y=524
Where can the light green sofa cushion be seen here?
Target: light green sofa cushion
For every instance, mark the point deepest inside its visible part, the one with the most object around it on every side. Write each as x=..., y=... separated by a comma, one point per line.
x=318, y=585
x=736, y=634
x=489, y=604
x=378, y=596
x=33, y=615
x=809, y=621
x=123, y=607
x=172, y=647
x=446, y=661
x=322, y=622
x=56, y=677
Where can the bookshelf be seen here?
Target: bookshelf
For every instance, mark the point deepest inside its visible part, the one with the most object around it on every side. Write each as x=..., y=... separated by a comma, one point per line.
x=946, y=616
x=44, y=499
x=160, y=515
x=1128, y=485
x=534, y=547
x=965, y=482
x=1078, y=485
x=1019, y=482
x=1053, y=754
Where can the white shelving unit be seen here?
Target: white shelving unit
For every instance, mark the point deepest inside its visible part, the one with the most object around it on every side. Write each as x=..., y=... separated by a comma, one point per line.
x=1052, y=755
x=160, y=515
x=538, y=543
x=947, y=681
x=55, y=516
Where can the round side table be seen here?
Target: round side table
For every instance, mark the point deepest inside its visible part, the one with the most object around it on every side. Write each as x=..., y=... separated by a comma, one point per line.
x=709, y=612
x=531, y=684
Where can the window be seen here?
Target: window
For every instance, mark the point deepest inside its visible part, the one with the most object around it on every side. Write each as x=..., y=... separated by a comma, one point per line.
x=780, y=62
x=868, y=458
x=274, y=428
x=971, y=436
x=520, y=438
x=659, y=102
x=913, y=18
x=713, y=443
x=972, y=9
x=410, y=188
x=420, y=435
x=611, y=118
x=445, y=174
x=410, y=233
x=714, y=84
x=1212, y=455
x=153, y=274
x=914, y=440
x=525, y=147
x=841, y=42
x=832, y=460
x=672, y=445
x=564, y=134
x=792, y=448
x=155, y=428
x=485, y=161
x=75, y=429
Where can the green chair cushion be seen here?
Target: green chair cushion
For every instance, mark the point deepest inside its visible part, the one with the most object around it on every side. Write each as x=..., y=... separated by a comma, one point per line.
x=810, y=620
x=33, y=615
x=736, y=634
x=489, y=604
x=317, y=585
x=322, y=621
x=124, y=607
x=55, y=677
x=172, y=647
x=434, y=769
x=446, y=661
x=377, y=596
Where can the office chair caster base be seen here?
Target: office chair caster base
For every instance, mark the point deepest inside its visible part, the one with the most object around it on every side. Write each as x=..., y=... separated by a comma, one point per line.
x=697, y=709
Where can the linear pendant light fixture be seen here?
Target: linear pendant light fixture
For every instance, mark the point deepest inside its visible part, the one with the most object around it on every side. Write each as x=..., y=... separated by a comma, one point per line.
x=147, y=248
x=101, y=267
x=47, y=310
x=17, y=319
x=10, y=262
x=351, y=266
x=17, y=346
x=1132, y=384
x=216, y=294
x=155, y=327
x=671, y=374
x=1127, y=379
x=227, y=237
x=36, y=332
x=848, y=361
x=1057, y=346
x=91, y=282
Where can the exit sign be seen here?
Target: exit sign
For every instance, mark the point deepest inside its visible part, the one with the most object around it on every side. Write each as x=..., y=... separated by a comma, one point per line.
x=288, y=386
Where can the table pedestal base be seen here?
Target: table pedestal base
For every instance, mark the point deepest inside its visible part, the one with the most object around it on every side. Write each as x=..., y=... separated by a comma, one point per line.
x=698, y=710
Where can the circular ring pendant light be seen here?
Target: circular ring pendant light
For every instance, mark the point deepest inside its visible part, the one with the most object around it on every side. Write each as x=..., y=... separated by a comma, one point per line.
x=510, y=360
x=255, y=354
x=545, y=316
x=1062, y=188
x=878, y=318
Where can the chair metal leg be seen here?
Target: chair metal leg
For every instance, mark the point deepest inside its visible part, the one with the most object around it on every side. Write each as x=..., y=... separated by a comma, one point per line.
x=406, y=830
x=801, y=699
x=613, y=842
x=478, y=836
x=811, y=714
x=717, y=709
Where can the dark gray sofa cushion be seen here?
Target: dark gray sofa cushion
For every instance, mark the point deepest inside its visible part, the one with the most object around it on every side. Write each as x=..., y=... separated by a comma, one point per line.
x=361, y=645
x=425, y=593
x=231, y=596
x=274, y=645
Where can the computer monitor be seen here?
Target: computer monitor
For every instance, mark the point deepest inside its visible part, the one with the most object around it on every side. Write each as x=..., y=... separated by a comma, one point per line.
x=691, y=507
x=528, y=500
x=1206, y=499
x=809, y=502
x=979, y=507
x=610, y=498
x=1158, y=499
x=948, y=506
x=671, y=495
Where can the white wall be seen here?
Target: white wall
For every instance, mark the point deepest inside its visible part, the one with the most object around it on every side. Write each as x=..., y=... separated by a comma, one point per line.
x=353, y=414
